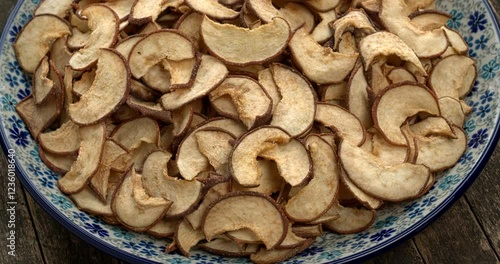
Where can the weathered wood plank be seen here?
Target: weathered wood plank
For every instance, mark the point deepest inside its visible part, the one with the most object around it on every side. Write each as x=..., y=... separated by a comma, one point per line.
x=484, y=202
x=25, y=248
x=455, y=237
x=404, y=253
x=61, y=246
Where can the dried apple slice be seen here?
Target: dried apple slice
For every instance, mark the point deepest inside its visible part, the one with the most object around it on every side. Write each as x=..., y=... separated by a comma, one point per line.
x=439, y=153
x=189, y=159
x=266, y=80
x=122, y=8
x=321, y=65
x=60, y=164
x=358, y=102
x=364, y=198
x=252, y=103
x=64, y=140
x=91, y=145
x=291, y=240
x=352, y=220
x=270, y=182
x=394, y=105
x=33, y=42
x=229, y=248
x=164, y=228
x=125, y=46
x=150, y=109
x=213, y=9
x=322, y=5
x=451, y=110
x=158, y=78
x=267, y=41
x=264, y=256
x=39, y=117
x=308, y=231
x=390, y=183
x=243, y=159
x=317, y=196
x=322, y=32
x=128, y=136
x=144, y=11
x=456, y=83
x=184, y=194
x=293, y=161
x=356, y=21
x=157, y=46
x=210, y=74
x=433, y=126
x=388, y=153
x=82, y=85
x=42, y=84
x=189, y=24
x=108, y=91
x=87, y=201
x=426, y=44
x=103, y=23
x=215, y=144
x=182, y=73
x=346, y=125
x=295, y=111
x=133, y=207
x=266, y=220
x=458, y=44
x=186, y=237
x=244, y=236
x=378, y=47
x=60, y=54
x=399, y=75
x=55, y=7
x=429, y=19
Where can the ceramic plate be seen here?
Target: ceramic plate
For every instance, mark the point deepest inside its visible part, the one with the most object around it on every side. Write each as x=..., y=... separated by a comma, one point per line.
x=474, y=19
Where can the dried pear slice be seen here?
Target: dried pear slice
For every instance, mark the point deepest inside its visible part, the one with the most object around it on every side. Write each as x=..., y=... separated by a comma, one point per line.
x=394, y=105
x=133, y=207
x=270, y=182
x=355, y=20
x=346, y=125
x=321, y=65
x=186, y=237
x=229, y=248
x=358, y=101
x=212, y=9
x=266, y=219
x=314, y=199
x=295, y=111
x=64, y=140
x=215, y=144
x=230, y=43
x=390, y=183
x=243, y=159
x=91, y=146
x=103, y=23
x=144, y=11
x=184, y=194
x=60, y=164
x=253, y=104
x=108, y=91
x=59, y=8
x=210, y=74
x=456, y=83
x=128, y=136
x=352, y=220
x=33, y=42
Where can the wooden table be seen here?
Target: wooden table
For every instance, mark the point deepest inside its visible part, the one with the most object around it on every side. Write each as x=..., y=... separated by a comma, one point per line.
x=469, y=232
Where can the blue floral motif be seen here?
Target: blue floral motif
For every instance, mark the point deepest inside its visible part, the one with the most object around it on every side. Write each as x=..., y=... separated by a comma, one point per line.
x=411, y=207
x=46, y=183
x=487, y=97
x=330, y=255
x=454, y=21
x=478, y=138
x=125, y=234
x=474, y=89
x=13, y=33
x=199, y=256
x=388, y=222
x=428, y=201
x=147, y=244
x=16, y=121
x=382, y=234
x=477, y=22
x=483, y=111
x=344, y=243
x=36, y=2
x=448, y=182
x=148, y=252
x=60, y=201
x=81, y=216
x=8, y=102
x=131, y=245
x=14, y=68
x=481, y=42
x=35, y=170
x=358, y=244
x=96, y=229
x=217, y=259
x=470, y=126
x=35, y=155
x=25, y=18
x=415, y=213
x=360, y=236
x=296, y=261
x=12, y=80
x=23, y=93
x=311, y=251
x=177, y=260
x=20, y=136
x=489, y=70
x=466, y=158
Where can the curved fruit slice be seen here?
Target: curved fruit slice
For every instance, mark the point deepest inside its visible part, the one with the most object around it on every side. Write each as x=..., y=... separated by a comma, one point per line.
x=229, y=248
x=270, y=182
x=213, y=9
x=144, y=11
x=253, y=46
x=133, y=207
x=346, y=125
x=231, y=212
x=351, y=220
x=264, y=256
x=59, y=8
x=64, y=140
x=186, y=237
x=352, y=21
x=455, y=83
x=128, y=136
x=34, y=41
x=215, y=144
x=108, y=91
x=358, y=102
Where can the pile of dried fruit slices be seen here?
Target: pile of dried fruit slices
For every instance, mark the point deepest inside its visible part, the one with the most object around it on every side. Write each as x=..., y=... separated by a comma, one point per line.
x=244, y=127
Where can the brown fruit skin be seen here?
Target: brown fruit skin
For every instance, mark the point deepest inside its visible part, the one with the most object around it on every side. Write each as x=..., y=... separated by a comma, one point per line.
x=377, y=101
x=163, y=116
x=256, y=194
x=113, y=205
x=354, y=231
x=429, y=83
x=49, y=164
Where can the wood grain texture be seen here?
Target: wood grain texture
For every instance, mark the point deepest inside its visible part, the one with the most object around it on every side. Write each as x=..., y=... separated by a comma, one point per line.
x=467, y=233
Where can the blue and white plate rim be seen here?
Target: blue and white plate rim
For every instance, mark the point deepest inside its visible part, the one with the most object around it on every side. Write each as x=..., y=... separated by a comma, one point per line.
x=378, y=249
